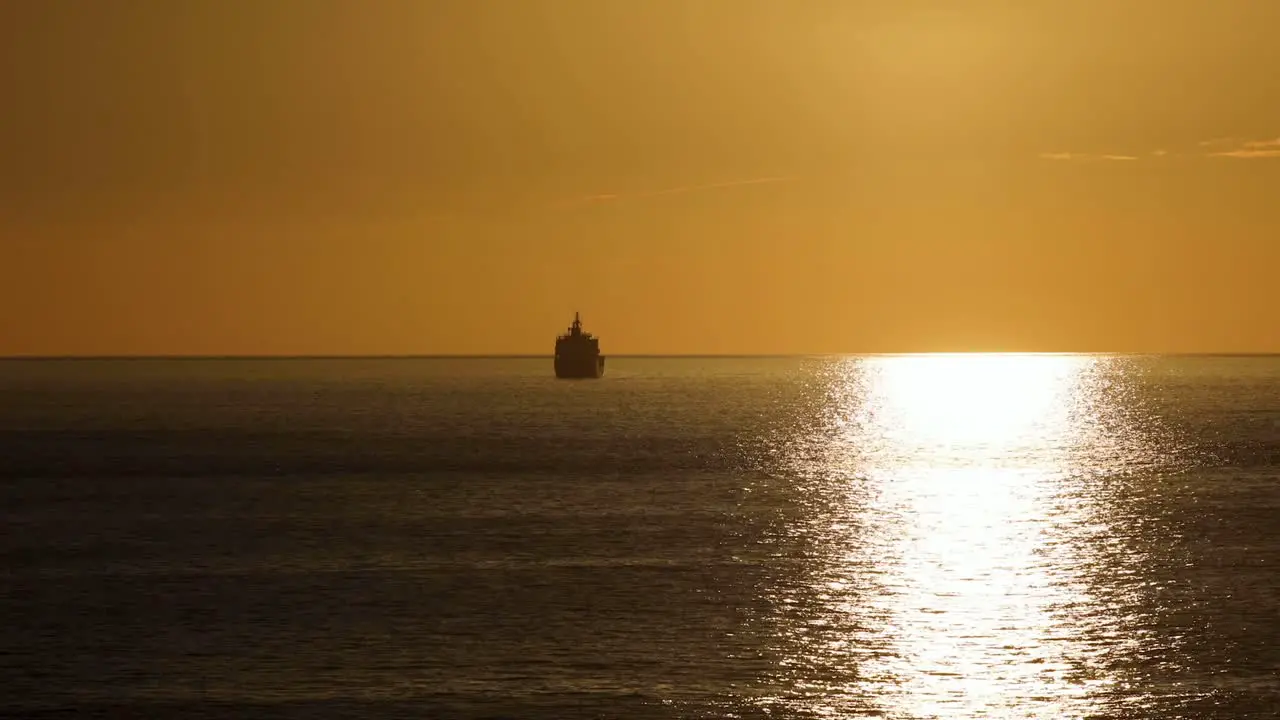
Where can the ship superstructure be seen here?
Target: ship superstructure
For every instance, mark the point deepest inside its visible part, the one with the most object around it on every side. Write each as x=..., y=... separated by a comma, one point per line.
x=578, y=353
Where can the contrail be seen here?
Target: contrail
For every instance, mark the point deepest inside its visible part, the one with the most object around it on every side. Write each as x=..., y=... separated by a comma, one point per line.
x=712, y=186
x=606, y=197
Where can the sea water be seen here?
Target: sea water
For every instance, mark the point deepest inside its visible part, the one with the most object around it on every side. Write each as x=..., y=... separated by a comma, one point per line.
x=1005, y=536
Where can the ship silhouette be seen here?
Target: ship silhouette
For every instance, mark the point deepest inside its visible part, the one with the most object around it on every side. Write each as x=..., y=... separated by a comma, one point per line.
x=578, y=353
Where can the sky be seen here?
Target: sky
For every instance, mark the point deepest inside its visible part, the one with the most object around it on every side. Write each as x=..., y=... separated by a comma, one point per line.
x=298, y=177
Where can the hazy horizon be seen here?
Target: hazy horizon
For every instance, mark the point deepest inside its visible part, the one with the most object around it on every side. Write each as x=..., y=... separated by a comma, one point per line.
x=644, y=356
x=729, y=177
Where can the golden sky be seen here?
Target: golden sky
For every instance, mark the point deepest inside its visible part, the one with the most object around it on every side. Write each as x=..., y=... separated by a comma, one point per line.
x=709, y=176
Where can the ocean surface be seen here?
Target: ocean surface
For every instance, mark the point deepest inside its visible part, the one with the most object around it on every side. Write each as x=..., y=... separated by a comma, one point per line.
x=985, y=536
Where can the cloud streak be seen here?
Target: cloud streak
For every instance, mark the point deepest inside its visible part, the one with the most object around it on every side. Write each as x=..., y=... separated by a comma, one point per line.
x=1218, y=142
x=680, y=190
x=1227, y=147
x=1246, y=154
x=1068, y=156
x=1249, y=149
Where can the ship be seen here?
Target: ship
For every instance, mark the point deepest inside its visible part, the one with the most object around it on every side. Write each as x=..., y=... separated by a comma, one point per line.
x=578, y=353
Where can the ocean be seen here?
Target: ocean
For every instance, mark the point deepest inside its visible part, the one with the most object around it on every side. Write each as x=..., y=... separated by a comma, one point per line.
x=947, y=536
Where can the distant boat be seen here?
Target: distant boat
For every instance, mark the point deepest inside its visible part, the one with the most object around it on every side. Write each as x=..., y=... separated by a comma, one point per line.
x=578, y=353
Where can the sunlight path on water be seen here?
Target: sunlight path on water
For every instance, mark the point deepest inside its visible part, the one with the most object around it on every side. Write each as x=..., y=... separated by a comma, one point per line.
x=940, y=574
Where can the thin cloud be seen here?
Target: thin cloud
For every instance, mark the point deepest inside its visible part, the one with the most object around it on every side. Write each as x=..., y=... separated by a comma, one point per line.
x=1248, y=149
x=1247, y=154
x=1219, y=142
x=611, y=197
x=1262, y=144
x=1084, y=156
x=1227, y=147
x=714, y=186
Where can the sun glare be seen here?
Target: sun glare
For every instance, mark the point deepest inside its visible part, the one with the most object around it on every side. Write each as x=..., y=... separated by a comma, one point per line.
x=993, y=403
x=952, y=467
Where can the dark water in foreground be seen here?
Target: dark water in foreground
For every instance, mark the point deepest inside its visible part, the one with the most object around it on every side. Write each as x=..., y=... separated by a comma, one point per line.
x=904, y=537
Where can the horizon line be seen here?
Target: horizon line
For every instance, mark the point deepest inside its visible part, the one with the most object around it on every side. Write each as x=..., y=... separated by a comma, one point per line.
x=638, y=356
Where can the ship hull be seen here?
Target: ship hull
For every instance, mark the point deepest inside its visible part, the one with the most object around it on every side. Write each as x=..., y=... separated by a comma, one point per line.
x=569, y=367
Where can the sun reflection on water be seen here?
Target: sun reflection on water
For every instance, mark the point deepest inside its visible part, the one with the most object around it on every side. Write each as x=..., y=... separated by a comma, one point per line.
x=995, y=403
x=934, y=559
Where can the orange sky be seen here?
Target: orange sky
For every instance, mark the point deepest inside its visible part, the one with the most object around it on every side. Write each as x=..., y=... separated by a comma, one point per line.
x=459, y=176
